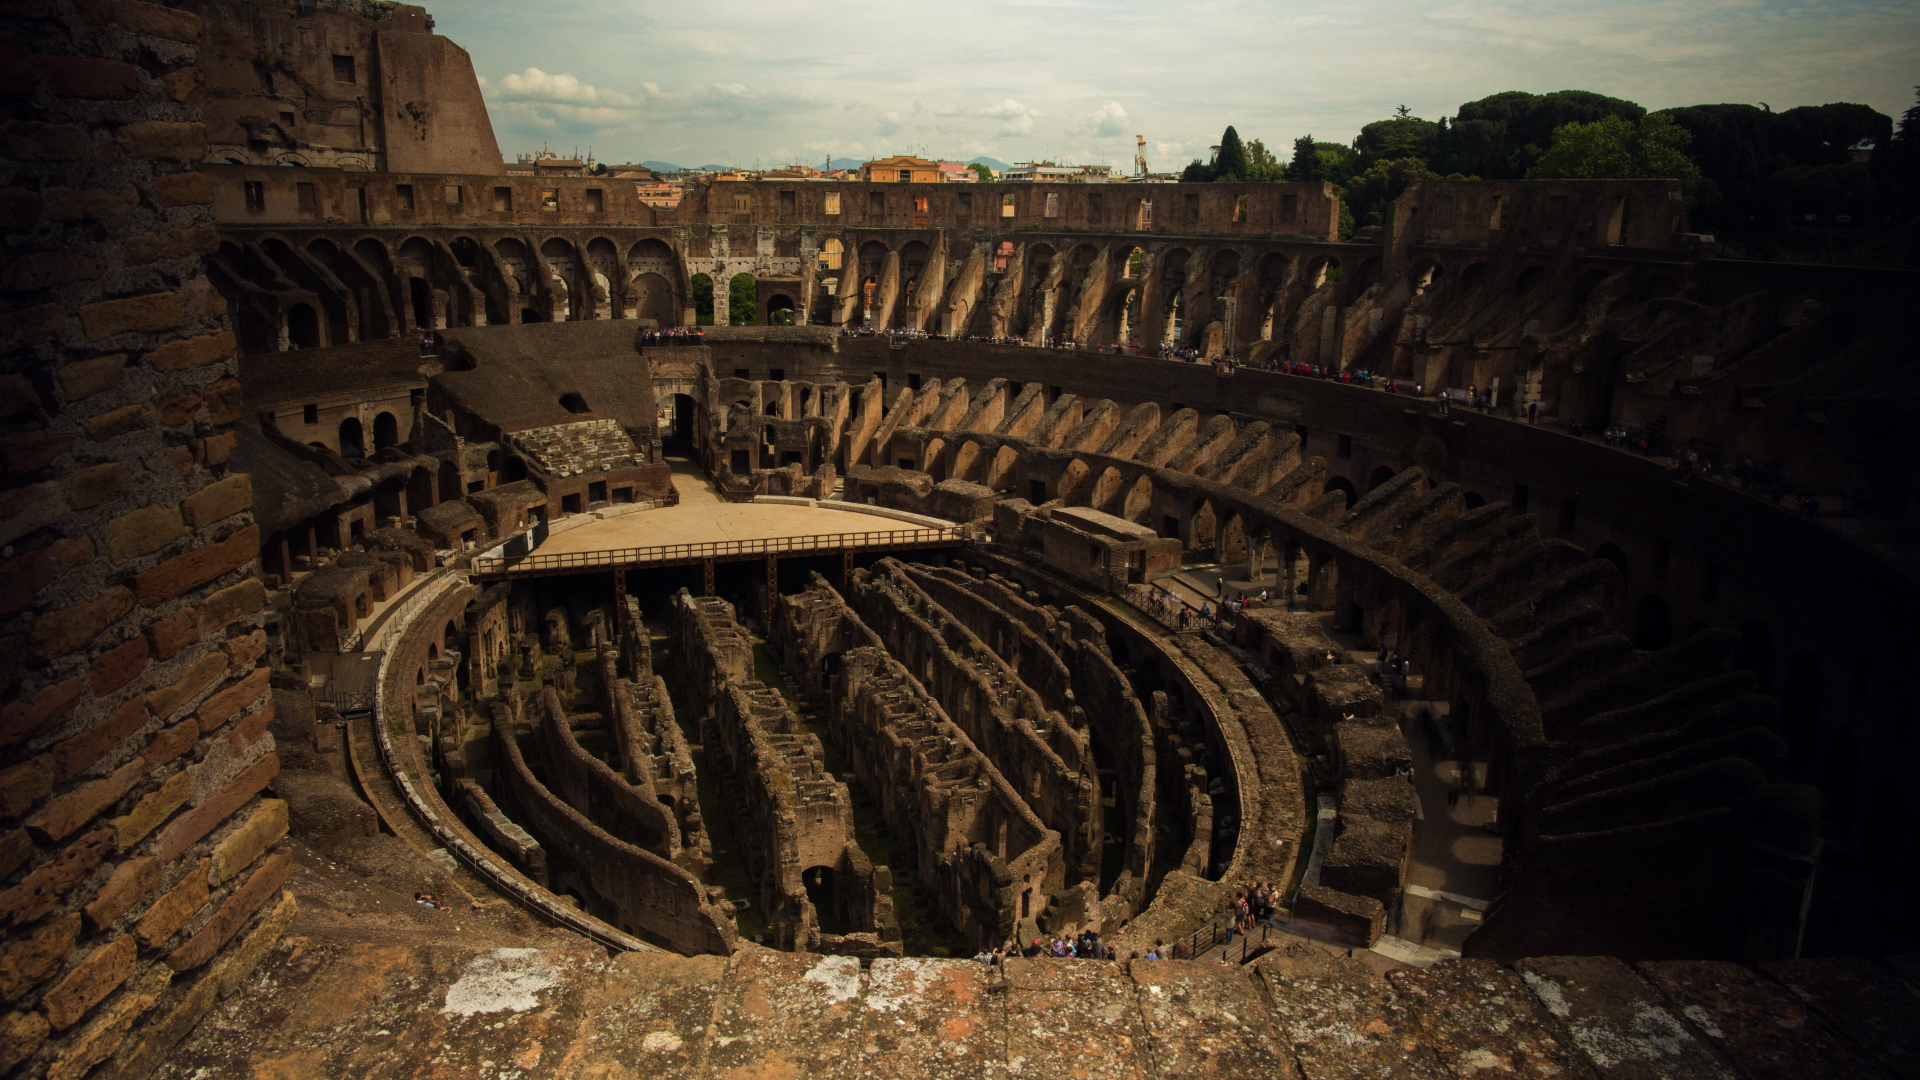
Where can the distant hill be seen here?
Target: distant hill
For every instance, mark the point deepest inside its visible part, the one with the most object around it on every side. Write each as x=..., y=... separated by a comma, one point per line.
x=661, y=166
x=846, y=163
x=992, y=163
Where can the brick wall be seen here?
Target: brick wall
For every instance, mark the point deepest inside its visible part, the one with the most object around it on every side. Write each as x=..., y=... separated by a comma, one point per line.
x=141, y=875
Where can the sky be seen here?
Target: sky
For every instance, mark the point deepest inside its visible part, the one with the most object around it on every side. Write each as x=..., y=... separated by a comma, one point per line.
x=760, y=85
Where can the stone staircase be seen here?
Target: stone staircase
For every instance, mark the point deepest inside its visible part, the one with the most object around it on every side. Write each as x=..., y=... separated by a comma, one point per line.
x=590, y=446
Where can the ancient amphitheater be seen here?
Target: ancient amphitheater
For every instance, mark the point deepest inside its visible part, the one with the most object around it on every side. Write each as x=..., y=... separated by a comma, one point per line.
x=418, y=664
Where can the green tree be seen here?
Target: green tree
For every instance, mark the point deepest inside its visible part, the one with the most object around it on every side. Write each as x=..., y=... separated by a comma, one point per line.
x=1262, y=166
x=702, y=300
x=1400, y=137
x=983, y=171
x=1196, y=172
x=1230, y=164
x=1369, y=194
x=741, y=297
x=1306, y=166
x=1614, y=148
x=1502, y=135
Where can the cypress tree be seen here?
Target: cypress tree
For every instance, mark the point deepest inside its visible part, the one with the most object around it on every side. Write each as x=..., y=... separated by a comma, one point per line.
x=1230, y=165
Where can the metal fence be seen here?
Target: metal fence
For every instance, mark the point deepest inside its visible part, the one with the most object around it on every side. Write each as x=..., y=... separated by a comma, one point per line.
x=508, y=565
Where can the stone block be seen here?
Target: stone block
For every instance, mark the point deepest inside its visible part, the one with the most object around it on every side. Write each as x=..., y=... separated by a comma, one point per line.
x=218, y=449
x=88, y=984
x=197, y=567
x=171, y=742
x=25, y=784
x=172, y=910
x=143, y=314
x=75, y=755
x=218, y=500
x=185, y=84
x=168, y=636
x=52, y=705
x=95, y=80
x=83, y=204
x=21, y=577
x=48, y=269
x=14, y=849
x=29, y=959
x=153, y=809
x=31, y=140
x=58, y=633
x=193, y=352
x=102, y=1035
x=263, y=828
x=23, y=510
x=83, y=379
x=220, y=762
x=90, y=487
x=246, y=649
x=116, y=668
x=173, y=244
x=122, y=421
x=31, y=326
x=188, y=829
x=226, y=704
x=184, y=189
x=224, y=401
x=17, y=395
x=39, y=891
x=176, y=411
x=262, y=885
x=60, y=818
x=29, y=451
x=198, y=679
x=131, y=882
x=246, y=956
x=162, y=140
x=20, y=1035
x=143, y=532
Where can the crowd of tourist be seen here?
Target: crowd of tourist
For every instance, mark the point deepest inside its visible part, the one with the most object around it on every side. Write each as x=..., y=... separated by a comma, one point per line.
x=672, y=336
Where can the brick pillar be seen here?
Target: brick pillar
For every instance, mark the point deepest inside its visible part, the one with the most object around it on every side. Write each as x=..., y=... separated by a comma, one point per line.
x=134, y=750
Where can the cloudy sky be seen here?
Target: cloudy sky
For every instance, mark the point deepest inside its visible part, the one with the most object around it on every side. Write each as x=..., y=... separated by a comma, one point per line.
x=747, y=83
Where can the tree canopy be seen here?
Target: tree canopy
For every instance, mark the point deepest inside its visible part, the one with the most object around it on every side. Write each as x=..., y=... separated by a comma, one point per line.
x=1614, y=148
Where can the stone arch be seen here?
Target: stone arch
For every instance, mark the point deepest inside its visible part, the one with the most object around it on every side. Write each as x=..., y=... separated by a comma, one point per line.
x=1073, y=483
x=1613, y=554
x=652, y=298
x=1380, y=475
x=1472, y=500
x=386, y=431
x=1000, y=473
x=1475, y=275
x=563, y=269
x=1202, y=526
x=601, y=271
x=303, y=327
x=780, y=310
x=1342, y=485
x=1139, y=502
x=1232, y=545
x=1108, y=491
x=966, y=461
x=449, y=482
x=352, y=441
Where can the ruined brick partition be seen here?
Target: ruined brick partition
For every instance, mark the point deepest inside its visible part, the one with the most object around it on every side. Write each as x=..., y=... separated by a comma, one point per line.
x=143, y=880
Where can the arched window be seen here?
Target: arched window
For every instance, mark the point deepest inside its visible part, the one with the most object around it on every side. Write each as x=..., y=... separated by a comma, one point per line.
x=352, y=439
x=303, y=327
x=386, y=431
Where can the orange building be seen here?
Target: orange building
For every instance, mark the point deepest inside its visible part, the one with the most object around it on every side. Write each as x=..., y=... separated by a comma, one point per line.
x=901, y=169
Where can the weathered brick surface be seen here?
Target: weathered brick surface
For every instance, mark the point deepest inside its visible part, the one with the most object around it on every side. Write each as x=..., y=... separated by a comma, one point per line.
x=22, y=786
x=90, y=487
x=244, y=957
x=23, y=510
x=96, y=375
x=164, y=140
x=102, y=972
x=36, y=894
x=30, y=451
x=154, y=808
x=72, y=756
x=203, y=675
x=60, y=632
x=122, y=421
x=103, y=1034
x=60, y=817
x=101, y=80
x=141, y=18
x=184, y=189
x=168, y=636
x=189, y=828
x=152, y=312
x=23, y=719
x=191, y=353
x=225, y=705
x=143, y=532
x=117, y=667
x=25, y=961
x=263, y=828
x=231, y=604
x=218, y=500
x=46, y=269
x=132, y=880
x=148, y=247
x=174, y=907
x=171, y=742
x=195, y=568
x=262, y=885
x=79, y=204
x=20, y=1035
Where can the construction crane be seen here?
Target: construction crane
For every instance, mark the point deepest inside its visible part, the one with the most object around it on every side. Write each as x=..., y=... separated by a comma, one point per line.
x=1140, y=156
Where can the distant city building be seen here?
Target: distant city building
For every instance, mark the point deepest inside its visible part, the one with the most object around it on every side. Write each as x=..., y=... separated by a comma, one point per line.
x=545, y=162
x=958, y=172
x=901, y=169
x=659, y=194
x=1049, y=173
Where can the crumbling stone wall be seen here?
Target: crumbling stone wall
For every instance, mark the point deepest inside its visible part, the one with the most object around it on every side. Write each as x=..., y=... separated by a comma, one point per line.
x=145, y=880
x=791, y=815
x=984, y=853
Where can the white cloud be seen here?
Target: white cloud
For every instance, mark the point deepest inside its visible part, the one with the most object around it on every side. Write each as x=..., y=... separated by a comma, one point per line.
x=1108, y=120
x=887, y=124
x=536, y=85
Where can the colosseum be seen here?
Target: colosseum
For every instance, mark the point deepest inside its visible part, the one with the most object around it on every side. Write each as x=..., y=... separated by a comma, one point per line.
x=428, y=652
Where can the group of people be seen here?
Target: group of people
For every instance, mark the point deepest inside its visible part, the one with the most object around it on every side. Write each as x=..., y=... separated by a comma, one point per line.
x=672, y=336
x=1085, y=945
x=1254, y=903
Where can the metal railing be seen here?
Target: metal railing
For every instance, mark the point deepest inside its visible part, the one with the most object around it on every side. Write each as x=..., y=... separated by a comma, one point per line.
x=712, y=549
x=1220, y=931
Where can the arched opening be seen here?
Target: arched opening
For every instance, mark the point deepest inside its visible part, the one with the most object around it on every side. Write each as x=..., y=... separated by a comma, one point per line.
x=1107, y=491
x=1202, y=527
x=1342, y=485
x=1755, y=653
x=1472, y=500
x=352, y=440
x=1379, y=476
x=1139, y=500
x=821, y=894
x=679, y=437
x=574, y=403
x=303, y=327
x=386, y=431
x=1613, y=554
x=530, y=315
x=422, y=296
x=702, y=285
x=742, y=299
x=780, y=310
x=1652, y=625
x=449, y=482
x=1803, y=694
x=513, y=469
